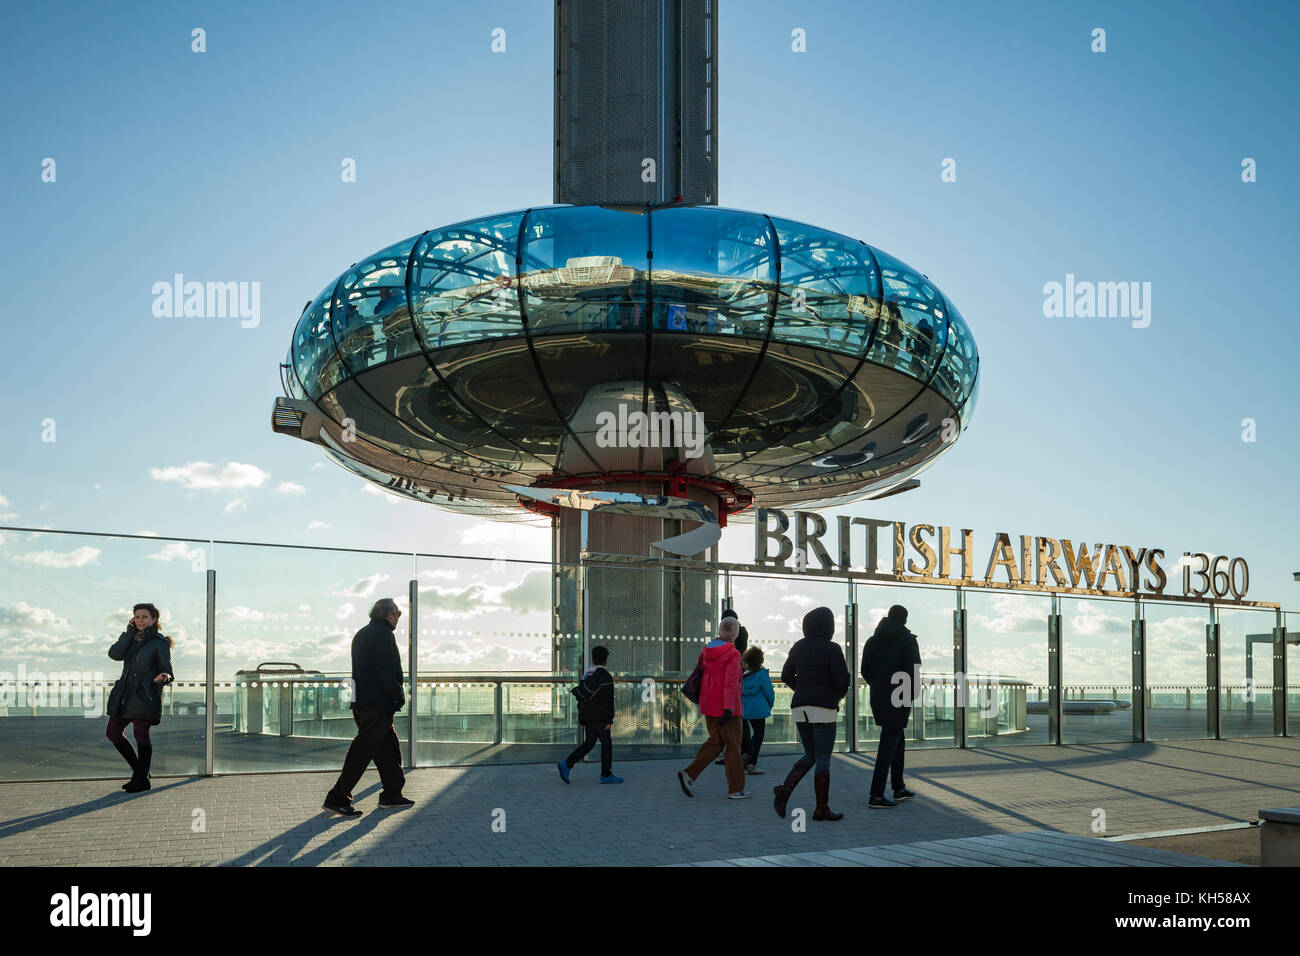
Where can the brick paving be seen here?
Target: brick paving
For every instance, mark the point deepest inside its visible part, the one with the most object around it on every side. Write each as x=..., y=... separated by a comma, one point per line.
x=525, y=815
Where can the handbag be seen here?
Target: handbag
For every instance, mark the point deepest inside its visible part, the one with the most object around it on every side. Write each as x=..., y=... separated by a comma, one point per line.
x=694, y=684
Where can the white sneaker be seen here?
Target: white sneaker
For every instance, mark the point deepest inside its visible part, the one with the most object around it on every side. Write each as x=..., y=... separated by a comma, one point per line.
x=688, y=785
x=743, y=795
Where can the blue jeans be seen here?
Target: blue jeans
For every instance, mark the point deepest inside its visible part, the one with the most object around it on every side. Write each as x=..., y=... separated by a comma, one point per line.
x=818, y=743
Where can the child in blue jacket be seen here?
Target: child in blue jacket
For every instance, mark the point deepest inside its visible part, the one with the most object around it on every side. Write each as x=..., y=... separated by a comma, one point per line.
x=757, y=698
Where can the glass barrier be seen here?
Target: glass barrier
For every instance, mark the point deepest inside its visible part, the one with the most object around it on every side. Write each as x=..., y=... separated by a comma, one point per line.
x=500, y=646
x=64, y=600
x=930, y=618
x=1006, y=646
x=1246, y=672
x=1096, y=670
x=1292, y=621
x=1175, y=659
x=285, y=619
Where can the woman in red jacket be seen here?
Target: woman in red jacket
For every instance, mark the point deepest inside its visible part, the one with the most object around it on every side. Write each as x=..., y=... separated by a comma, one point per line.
x=721, y=706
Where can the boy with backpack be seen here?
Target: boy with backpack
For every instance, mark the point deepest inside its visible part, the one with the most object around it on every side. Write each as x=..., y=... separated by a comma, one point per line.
x=595, y=693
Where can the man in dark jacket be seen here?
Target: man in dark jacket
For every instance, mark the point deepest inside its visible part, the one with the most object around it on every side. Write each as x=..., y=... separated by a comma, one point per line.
x=891, y=665
x=376, y=695
x=595, y=693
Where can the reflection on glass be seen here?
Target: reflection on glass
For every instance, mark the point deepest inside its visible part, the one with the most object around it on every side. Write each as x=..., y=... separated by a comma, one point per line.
x=1246, y=672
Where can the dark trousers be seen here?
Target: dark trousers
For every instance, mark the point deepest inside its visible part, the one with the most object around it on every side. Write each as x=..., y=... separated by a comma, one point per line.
x=752, y=739
x=818, y=744
x=594, y=732
x=889, y=753
x=376, y=740
x=117, y=726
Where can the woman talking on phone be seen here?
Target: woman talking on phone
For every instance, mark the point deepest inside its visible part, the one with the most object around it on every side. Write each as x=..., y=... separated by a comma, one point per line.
x=146, y=658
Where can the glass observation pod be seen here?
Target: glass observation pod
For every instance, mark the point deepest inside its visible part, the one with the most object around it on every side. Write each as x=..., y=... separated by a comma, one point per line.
x=503, y=350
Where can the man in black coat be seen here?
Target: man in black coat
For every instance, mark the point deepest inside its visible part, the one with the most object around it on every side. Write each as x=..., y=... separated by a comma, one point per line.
x=376, y=695
x=891, y=665
x=595, y=695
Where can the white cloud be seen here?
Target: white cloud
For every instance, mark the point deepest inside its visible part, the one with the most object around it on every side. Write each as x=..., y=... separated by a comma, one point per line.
x=4, y=502
x=239, y=614
x=345, y=611
x=449, y=574
x=147, y=534
x=202, y=475
x=319, y=525
x=392, y=499
x=22, y=614
x=44, y=505
x=174, y=550
x=55, y=559
x=317, y=465
x=290, y=488
x=236, y=504
x=8, y=516
x=366, y=587
x=458, y=655
x=800, y=600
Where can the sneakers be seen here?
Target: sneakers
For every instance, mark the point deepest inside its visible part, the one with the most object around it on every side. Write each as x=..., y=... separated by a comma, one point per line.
x=137, y=785
x=720, y=762
x=395, y=803
x=564, y=771
x=688, y=785
x=881, y=803
x=751, y=769
x=611, y=779
x=903, y=794
x=342, y=809
x=743, y=795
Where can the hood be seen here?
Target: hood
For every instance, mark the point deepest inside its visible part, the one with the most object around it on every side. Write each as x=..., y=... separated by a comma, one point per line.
x=715, y=654
x=819, y=622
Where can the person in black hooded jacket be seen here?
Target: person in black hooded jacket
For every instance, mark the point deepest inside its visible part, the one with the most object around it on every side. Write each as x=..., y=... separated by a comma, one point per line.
x=816, y=671
x=891, y=666
x=596, y=715
x=136, y=698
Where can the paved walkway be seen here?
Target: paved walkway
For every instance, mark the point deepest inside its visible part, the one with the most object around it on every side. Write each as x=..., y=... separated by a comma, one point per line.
x=526, y=815
x=1030, y=848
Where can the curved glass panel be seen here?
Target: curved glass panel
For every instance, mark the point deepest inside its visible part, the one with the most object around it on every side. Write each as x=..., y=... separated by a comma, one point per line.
x=955, y=376
x=313, y=346
x=292, y=386
x=912, y=331
x=584, y=270
x=714, y=271
x=370, y=318
x=830, y=289
x=461, y=282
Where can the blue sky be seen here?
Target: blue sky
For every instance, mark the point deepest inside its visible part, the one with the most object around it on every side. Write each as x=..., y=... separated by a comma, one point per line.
x=1115, y=166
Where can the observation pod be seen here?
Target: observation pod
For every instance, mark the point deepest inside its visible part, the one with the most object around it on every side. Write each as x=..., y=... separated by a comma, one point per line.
x=727, y=357
x=483, y=354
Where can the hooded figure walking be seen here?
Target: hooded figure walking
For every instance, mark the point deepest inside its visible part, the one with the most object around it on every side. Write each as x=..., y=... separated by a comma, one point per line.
x=136, y=699
x=815, y=670
x=891, y=665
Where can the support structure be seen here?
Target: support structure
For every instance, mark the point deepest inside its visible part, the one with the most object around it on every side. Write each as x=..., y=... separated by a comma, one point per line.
x=1054, y=688
x=1139, y=688
x=1213, y=728
x=959, y=670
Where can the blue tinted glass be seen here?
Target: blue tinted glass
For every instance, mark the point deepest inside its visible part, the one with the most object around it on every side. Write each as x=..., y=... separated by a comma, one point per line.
x=313, y=346
x=714, y=271
x=830, y=289
x=913, y=327
x=956, y=373
x=584, y=270
x=371, y=321
x=461, y=282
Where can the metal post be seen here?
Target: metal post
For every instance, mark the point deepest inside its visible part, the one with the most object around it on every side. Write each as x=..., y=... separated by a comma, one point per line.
x=1279, y=677
x=1139, y=689
x=851, y=650
x=210, y=672
x=497, y=709
x=584, y=601
x=1213, y=727
x=960, y=689
x=413, y=666
x=1054, y=703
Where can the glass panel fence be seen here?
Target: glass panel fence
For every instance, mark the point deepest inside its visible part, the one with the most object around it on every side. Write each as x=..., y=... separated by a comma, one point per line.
x=1246, y=672
x=772, y=610
x=930, y=618
x=500, y=647
x=285, y=618
x=1096, y=670
x=1175, y=659
x=64, y=599
x=1006, y=653
x=1292, y=619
